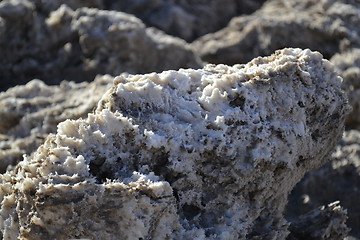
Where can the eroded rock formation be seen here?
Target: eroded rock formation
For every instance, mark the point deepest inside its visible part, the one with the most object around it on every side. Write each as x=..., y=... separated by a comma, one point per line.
x=326, y=26
x=29, y=113
x=207, y=154
x=39, y=41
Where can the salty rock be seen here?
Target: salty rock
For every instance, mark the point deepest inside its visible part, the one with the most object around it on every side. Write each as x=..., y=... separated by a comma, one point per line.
x=79, y=44
x=29, y=113
x=338, y=180
x=190, y=154
x=326, y=26
x=186, y=19
x=348, y=66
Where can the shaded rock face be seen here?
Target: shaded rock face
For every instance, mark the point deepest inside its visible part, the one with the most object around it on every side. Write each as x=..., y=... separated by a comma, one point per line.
x=326, y=222
x=29, y=113
x=187, y=19
x=344, y=173
x=326, y=26
x=206, y=154
x=53, y=45
x=348, y=66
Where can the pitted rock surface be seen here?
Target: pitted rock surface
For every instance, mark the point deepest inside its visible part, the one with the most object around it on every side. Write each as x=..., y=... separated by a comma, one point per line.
x=190, y=154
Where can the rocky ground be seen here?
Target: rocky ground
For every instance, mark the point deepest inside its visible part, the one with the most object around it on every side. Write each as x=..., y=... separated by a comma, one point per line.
x=87, y=43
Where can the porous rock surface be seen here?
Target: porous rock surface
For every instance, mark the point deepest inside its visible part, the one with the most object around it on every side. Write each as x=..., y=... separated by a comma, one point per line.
x=29, y=113
x=188, y=154
x=338, y=180
x=348, y=65
x=39, y=41
x=327, y=26
x=187, y=19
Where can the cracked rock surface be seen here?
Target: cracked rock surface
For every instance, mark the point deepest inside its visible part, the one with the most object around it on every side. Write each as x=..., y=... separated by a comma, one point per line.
x=189, y=154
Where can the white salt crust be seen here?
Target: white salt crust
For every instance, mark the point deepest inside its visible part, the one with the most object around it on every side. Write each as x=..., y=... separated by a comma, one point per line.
x=189, y=154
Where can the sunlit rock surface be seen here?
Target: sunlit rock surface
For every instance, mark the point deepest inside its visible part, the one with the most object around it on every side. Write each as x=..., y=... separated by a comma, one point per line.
x=29, y=113
x=206, y=154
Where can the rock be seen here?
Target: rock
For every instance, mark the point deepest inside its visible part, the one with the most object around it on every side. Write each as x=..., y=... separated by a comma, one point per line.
x=326, y=26
x=46, y=7
x=338, y=180
x=29, y=113
x=189, y=154
x=326, y=222
x=348, y=66
x=187, y=19
x=79, y=44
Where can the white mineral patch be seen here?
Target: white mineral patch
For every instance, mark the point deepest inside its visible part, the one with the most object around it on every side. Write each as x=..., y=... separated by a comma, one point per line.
x=189, y=154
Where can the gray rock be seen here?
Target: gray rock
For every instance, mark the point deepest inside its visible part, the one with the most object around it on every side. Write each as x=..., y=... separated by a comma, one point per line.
x=338, y=180
x=326, y=222
x=348, y=66
x=189, y=154
x=326, y=26
x=187, y=19
x=29, y=113
x=78, y=44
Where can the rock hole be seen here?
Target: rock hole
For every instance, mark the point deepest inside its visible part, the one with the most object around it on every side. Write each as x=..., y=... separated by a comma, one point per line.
x=238, y=101
x=315, y=135
x=300, y=162
x=96, y=169
x=190, y=211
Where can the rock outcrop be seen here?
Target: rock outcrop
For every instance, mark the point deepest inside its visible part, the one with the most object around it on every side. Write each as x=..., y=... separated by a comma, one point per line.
x=326, y=26
x=189, y=154
x=29, y=113
x=78, y=44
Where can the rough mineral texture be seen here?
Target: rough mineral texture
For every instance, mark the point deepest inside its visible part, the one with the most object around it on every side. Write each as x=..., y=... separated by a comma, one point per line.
x=79, y=44
x=29, y=113
x=189, y=154
x=348, y=66
x=326, y=26
x=326, y=222
x=337, y=180
x=187, y=19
